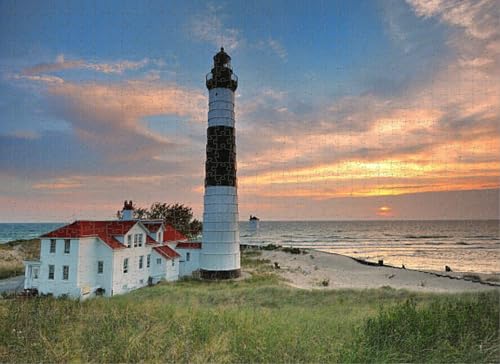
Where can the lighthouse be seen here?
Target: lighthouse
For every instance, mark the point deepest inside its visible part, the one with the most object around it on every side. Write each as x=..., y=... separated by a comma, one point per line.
x=220, y=255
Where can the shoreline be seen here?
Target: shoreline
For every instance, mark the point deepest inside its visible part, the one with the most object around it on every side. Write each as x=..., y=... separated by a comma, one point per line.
x=317, y=269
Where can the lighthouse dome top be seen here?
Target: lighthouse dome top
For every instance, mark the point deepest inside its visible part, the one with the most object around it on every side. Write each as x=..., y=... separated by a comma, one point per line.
x=222, y=58
x=222, y=74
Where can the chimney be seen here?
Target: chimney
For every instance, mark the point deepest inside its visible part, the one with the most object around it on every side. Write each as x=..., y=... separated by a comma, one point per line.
x=128, y=210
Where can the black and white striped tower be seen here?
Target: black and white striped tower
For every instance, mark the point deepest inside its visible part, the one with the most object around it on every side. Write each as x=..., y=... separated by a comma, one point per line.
x=220, y=254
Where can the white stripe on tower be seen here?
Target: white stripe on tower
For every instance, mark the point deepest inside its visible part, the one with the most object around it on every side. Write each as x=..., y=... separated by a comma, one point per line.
x=220, y=255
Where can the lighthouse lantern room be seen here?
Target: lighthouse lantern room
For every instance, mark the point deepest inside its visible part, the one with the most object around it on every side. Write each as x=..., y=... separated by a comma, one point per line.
x=220, y=255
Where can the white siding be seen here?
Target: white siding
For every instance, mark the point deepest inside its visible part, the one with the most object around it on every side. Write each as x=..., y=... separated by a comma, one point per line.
x=93, y=250
x=188, y=267
x=83, y=258
x=58, y=286
x=165, y=270
x=136, y=277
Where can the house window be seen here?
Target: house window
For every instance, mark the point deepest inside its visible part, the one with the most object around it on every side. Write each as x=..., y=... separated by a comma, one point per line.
x=135, y=240
x=35, y=273
x=173, y=262
x=100, y=267
x=52, y=245
x=188, y=256
x=148, y=261
x=141, y=261
x=140, y=239
x=158, y=260
x=129, y=241
x=125, y=265
x=51, y=271
x=67, y=245
x=65, y=272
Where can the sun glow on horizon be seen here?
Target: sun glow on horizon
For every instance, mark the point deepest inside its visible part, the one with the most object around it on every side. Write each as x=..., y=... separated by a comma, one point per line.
x=385, y=211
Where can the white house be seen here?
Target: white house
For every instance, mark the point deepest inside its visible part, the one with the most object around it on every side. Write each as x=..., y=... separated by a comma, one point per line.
x=87, y=258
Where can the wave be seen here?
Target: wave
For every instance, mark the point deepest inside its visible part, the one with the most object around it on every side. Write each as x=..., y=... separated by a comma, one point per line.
x=427, y=236
x=482, y=237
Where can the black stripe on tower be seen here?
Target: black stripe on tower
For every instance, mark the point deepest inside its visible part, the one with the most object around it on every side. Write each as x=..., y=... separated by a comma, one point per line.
x=220, y=167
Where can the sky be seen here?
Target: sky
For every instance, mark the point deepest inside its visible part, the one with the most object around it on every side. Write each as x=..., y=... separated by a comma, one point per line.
x=345, y=110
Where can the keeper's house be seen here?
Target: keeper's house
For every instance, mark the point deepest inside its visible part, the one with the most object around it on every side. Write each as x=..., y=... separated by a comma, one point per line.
x=88, y=258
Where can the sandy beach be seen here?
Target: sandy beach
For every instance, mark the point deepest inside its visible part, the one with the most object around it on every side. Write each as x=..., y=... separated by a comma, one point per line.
x=310, y=270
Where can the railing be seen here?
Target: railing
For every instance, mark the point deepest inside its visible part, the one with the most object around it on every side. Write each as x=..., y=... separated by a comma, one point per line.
x=210, y=76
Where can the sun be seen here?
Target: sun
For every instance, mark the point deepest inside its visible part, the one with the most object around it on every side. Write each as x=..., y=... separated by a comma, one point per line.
x=384, y=211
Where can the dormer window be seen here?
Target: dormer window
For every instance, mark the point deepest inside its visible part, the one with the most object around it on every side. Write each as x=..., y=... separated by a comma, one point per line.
x=140, y=240
x=129, y=241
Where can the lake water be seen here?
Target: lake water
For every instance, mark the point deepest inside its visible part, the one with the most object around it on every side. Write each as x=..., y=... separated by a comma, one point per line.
x=467, y=246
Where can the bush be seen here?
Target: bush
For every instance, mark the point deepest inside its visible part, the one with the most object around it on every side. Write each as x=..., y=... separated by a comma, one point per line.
x=450, y=330
x=291, y=250
x=270, y=247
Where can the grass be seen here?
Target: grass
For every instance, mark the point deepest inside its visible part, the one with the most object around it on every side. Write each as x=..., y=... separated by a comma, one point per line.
x=11, y=270
x=447, y=330
x=254, y=320
x=13, y=253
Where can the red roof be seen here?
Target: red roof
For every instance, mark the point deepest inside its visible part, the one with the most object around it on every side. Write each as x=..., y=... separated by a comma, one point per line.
x=152, y=226
x=105, y=230
x=150, y=240
x=166, y=251
x=188, y=245
x=170, y=234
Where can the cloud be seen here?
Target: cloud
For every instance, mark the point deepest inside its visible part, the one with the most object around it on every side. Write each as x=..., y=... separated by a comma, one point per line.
x=278, y=48
x=208, y=26
x=443, y=127
x=61, y=64
x=479, y=19
x=107, y=134
x=39, y=78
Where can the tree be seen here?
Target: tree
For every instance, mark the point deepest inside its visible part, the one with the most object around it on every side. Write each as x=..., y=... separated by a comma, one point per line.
x=177, y=215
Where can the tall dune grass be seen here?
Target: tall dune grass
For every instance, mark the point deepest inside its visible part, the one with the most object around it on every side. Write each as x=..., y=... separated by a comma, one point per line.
x=254, y=320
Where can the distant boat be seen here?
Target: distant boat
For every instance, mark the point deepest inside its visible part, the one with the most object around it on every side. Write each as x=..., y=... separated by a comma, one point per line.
x=253, y=223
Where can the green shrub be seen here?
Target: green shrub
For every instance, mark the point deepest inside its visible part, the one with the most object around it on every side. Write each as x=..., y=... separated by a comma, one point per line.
x=291, y=250
x=270, y=247
x=448, y=330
